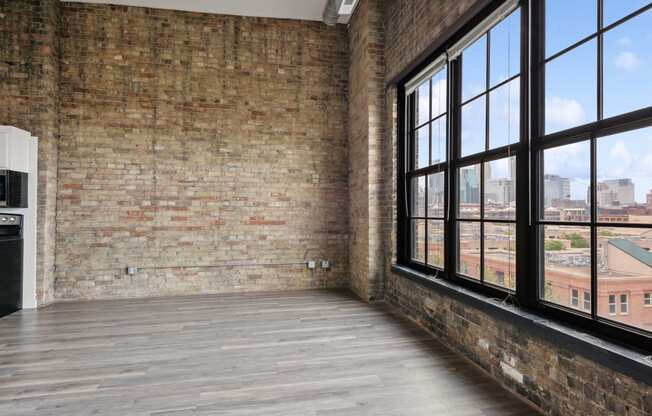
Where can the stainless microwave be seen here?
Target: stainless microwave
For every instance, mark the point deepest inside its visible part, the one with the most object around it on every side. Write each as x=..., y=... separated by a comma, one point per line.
x=13, y=189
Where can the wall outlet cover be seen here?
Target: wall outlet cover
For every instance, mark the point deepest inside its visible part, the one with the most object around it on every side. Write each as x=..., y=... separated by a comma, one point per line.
x=312, y=264
x=325, y=264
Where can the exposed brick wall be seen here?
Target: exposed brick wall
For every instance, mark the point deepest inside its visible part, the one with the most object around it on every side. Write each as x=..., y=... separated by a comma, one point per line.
x=559, y=381
x=190, y=139
x=29, y=81
x=413, y=25
x=366, y=103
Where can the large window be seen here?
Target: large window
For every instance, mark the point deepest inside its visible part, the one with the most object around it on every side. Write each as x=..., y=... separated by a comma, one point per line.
x=427, y=166
x=527, y=161
x=593, y=153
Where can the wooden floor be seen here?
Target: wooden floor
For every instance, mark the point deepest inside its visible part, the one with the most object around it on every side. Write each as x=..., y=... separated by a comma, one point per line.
x=317, y=353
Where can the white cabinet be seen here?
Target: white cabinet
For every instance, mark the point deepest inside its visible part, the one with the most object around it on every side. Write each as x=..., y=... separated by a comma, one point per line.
x=14, y=149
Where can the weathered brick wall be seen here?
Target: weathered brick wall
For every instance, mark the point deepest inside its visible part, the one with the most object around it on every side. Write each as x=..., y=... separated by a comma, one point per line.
x=366, y=103
x=413, y=25
x=190, y=139
x=559, y=381
x=29, y=80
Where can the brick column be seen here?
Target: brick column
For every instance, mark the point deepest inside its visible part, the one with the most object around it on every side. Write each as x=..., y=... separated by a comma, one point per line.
x=29, y=79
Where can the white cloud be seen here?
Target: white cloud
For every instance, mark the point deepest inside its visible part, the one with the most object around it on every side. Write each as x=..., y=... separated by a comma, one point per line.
x=628, y=61
x=570, y=161
x=624, y=42
x=620, y=153
x=564, y=112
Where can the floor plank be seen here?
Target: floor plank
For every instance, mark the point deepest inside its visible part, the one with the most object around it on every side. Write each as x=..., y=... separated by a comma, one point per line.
x=310, y=353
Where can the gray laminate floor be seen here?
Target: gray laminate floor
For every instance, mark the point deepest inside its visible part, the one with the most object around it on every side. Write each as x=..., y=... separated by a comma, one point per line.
x=312, y=353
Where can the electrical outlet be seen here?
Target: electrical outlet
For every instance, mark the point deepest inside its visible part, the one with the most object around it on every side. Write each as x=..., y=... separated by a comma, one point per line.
x=312, y=264
x=131, y=270
x=325, y=264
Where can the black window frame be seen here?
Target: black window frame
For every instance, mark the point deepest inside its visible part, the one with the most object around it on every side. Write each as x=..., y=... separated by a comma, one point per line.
x=529, y=192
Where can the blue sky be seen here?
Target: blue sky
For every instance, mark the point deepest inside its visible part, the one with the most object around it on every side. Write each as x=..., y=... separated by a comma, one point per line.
x=571, y=89
x=571, y=97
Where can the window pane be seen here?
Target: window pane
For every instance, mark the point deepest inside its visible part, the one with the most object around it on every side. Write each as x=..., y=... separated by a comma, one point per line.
x=587, y=301
x=423, y=103
x=418, y=208
x=468, y=262
x=436, y=243
x=624, y=304
x=500, y=189
x=617, y=9
x=567, y=262
x=438, y=141
x=436, y=195
x=504, y=114
x=473, y=126
x=612, y=304
x=469, y=192
x=421, y=145
x=625, y=272
x=627, y=66
x=624, y=173
x=418, y=240
x=575, y=297
x=474, y=69
x=569, y=21
x=505, y=48
x=571, y=88
x=439, y=97
x=566, y=182
x=500, y=254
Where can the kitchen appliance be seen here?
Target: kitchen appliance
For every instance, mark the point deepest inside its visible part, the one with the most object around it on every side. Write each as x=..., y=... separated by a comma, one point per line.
x=11, y=263
x=13, y=189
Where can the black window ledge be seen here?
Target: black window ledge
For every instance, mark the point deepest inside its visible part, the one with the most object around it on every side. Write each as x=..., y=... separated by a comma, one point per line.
x=610, y=355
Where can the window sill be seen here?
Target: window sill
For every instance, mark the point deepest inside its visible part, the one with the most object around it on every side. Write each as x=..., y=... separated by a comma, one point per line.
x=613, y=356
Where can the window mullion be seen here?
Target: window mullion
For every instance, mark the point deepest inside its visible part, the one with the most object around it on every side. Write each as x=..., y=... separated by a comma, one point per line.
x=526, y=269
x=600, y=46
x=594, y=232
x=455, y=87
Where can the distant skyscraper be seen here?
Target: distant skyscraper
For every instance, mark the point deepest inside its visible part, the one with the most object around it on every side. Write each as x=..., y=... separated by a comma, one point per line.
x=470, y=185
x=616, y=193
x=556, y=189
x=500, y=191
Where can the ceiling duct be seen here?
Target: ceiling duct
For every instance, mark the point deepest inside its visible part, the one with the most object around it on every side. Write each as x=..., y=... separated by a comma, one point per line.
x=332, y=12
x=336, y=8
